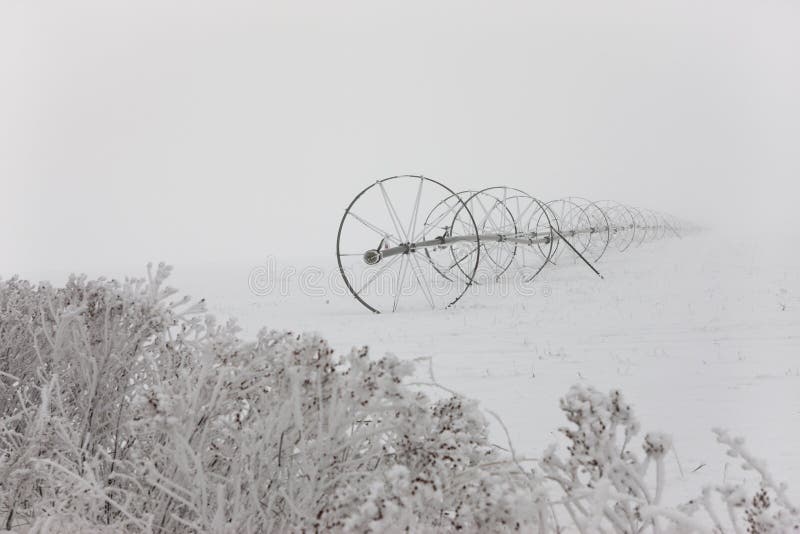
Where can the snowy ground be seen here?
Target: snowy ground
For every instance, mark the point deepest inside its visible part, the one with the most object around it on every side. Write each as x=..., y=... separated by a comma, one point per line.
x=697, y=333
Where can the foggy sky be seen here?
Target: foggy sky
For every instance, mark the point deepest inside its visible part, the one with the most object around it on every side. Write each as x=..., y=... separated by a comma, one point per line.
x=200, y=131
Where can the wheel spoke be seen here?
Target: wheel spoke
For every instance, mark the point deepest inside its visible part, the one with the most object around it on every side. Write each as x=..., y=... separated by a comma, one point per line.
x=522, y=214
x=376, y=273
x=487, y=216
x=435, y=221
x=413, y=222
x=437, y=268
x=401, y=281
x=392, y=212
x=375, y=228
x=426, y=290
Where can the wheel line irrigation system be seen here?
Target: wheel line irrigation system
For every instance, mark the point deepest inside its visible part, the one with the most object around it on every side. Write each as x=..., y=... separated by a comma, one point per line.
x=410, y=242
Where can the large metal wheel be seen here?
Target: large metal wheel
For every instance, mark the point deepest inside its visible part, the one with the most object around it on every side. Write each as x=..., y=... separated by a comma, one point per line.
x=623, y=224
x=375, y=245
x=641, y=225
x=600, y=229
x=573, y=223
x=493, y=218
x=545, y=222
x=448, y=220
x=527, y=227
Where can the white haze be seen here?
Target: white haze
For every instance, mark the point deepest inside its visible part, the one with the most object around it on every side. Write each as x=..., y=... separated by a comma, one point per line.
x=203, y=131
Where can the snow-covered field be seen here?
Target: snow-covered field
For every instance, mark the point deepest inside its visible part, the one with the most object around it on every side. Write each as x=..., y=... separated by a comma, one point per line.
x=698, y=333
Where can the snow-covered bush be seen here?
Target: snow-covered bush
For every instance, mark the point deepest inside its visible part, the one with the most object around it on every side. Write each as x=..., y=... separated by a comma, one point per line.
x=603, y=484
x=123, y=408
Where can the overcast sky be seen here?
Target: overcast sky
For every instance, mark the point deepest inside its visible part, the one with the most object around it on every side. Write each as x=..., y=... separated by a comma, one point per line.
x=207, y=131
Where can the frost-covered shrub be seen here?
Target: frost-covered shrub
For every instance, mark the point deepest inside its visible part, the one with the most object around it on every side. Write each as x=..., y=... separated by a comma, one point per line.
x=604, y=483
x=125, y=409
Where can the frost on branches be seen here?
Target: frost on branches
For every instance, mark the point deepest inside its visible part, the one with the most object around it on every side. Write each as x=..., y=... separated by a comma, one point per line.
x=126, y=409
x=606, y=484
